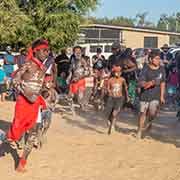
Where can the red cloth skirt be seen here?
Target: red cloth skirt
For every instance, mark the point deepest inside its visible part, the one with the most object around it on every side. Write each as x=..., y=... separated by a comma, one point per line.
x=25, y=117
x=79, y=85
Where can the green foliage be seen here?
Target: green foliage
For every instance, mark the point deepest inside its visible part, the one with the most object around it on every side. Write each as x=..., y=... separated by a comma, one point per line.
x=57, y=20
x=139, y=20
x=121, y=21
x=15, y=26
x=169, y=23
x=21, y=21
x=62, y=29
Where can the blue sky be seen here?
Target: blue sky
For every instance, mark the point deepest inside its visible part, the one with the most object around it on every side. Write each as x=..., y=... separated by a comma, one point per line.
x=129, y=8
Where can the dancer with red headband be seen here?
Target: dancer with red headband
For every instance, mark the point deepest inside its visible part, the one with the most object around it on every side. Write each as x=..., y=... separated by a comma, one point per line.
x=28, y=81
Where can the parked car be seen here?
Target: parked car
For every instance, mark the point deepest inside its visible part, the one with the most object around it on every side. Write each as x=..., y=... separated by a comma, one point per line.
x=173, y=51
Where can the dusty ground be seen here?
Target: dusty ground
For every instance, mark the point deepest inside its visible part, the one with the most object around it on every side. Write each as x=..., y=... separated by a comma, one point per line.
x=80, y=149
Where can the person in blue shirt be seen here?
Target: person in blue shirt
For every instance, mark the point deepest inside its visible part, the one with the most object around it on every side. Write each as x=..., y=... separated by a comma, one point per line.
x=8, y=62
x=3, y=82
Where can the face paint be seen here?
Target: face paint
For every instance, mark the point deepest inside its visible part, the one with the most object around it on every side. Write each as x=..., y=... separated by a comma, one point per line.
x=49, y=85
x=42, y=54
x=117, y=74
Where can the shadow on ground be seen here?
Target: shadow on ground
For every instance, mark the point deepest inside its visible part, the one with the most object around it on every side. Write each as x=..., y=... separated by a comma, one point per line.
x=165, y=127
x=5, y=147
x=4, y=125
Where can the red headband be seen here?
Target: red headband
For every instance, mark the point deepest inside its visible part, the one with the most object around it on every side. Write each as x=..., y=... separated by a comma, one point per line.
x=116, y=69
x=32, y=58
x=41, y=46
x=48, y=78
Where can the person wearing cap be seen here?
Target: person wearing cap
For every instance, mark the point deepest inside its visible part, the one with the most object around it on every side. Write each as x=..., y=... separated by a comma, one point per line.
x=28, y=81
x=98, y=56
x=8, y=61
x=116, y=88
x=116, y=53
x=166, y=57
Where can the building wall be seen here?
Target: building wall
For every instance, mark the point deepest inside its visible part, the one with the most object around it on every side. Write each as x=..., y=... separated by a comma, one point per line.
x=135, y=39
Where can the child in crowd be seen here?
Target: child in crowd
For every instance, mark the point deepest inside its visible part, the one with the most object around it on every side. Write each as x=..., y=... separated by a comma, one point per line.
x=51, y=97
x=62, y=86
x=116, y=88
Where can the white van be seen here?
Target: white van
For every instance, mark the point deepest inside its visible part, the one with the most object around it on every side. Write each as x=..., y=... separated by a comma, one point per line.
x=90, y=49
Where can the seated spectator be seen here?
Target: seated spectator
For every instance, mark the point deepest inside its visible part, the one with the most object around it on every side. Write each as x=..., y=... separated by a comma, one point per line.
x=8, y=62
x=3, y=82
x=61, y=83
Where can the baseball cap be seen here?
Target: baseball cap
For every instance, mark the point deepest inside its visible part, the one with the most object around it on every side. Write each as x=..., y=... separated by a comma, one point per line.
x=116, y=45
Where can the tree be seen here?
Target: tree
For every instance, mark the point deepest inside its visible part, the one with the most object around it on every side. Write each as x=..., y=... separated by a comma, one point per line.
x=21, y=21
x=141, y=20
x=178, y=22
x=163, y=23
x=169, y=23
x=120, y=21
x=15, y=26
x=57, y=20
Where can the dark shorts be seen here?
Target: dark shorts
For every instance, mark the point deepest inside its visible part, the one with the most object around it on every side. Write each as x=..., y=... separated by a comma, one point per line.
x=114, y=104
x=2, y=88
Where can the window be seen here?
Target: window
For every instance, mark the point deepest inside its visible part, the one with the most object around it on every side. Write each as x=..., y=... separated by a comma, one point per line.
x=110, y=34
x=150, y=42
x=100, y=35
x=93, y=49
